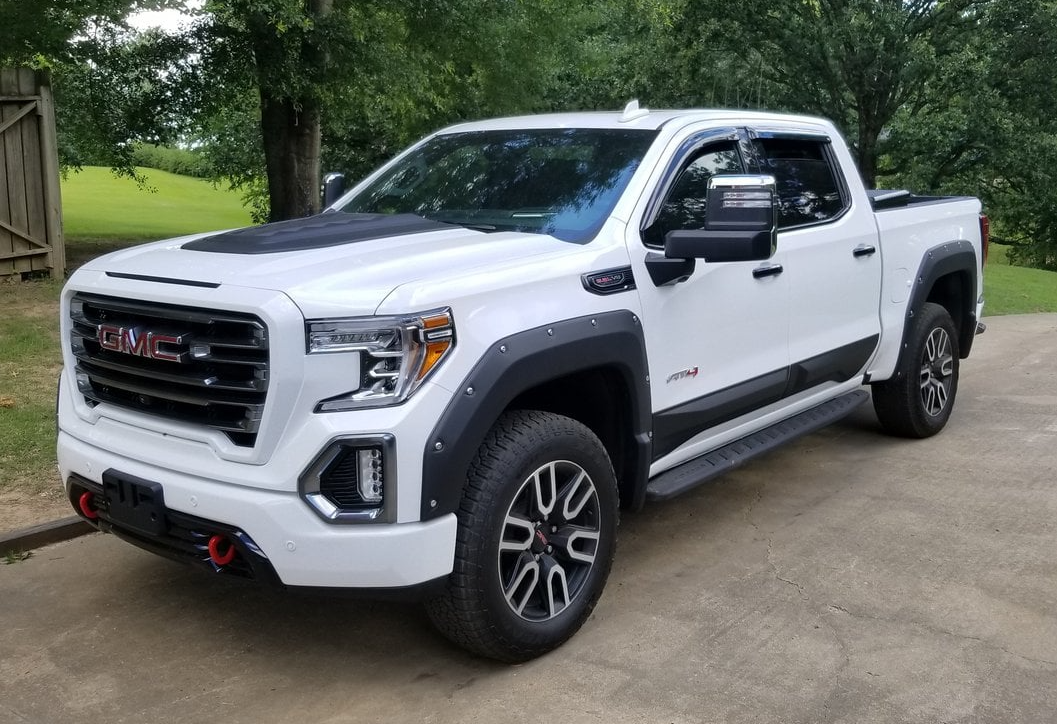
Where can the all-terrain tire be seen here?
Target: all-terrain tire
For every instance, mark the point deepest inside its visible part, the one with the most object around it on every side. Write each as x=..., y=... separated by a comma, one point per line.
x=536, y=538
x=918, y=399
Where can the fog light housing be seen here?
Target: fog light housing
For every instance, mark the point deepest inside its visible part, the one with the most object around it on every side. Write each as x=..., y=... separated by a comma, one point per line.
x=353, y=480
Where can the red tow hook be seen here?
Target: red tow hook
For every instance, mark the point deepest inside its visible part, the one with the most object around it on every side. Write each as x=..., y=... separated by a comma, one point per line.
x=221, y=559
x=85, y=504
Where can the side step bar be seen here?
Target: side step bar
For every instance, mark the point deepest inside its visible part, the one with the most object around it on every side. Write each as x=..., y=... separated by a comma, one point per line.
x=711, y=465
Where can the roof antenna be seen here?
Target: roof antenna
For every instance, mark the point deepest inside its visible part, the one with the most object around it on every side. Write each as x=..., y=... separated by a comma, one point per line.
x=632, y=111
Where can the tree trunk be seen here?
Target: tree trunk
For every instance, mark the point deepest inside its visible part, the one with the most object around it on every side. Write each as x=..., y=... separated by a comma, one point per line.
x=291, y=133
x=291, y=126
x=866, y=150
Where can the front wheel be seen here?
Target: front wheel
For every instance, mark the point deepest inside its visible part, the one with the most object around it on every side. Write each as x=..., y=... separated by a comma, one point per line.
x=536, y=538
x=918, y=400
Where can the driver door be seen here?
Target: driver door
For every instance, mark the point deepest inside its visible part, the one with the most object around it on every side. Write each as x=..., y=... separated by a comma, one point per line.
x=718, y=341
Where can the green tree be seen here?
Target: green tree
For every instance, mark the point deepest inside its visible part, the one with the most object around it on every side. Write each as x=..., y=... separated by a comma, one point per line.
x=117, y=89
x=986, y=125
x=44, y=32
x=855, y=61
x=112, y=87
x=357, y=81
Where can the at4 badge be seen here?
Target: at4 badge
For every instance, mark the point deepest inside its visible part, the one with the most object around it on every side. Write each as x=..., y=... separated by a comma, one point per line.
x=682, y=375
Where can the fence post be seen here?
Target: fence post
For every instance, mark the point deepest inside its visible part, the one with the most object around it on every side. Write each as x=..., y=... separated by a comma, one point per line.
x=49, y=153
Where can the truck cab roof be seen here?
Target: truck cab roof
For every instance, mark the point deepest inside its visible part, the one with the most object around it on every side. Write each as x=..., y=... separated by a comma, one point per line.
x=638, y=118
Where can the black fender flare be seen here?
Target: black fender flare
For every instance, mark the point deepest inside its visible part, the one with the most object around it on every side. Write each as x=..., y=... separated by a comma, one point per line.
x=525, y=360
x=951, y=257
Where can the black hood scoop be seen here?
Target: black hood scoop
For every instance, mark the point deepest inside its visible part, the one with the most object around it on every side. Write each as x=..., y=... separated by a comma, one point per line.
x=314, y=232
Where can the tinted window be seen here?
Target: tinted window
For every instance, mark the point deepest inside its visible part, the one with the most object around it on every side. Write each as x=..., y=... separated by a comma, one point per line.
x=562, y=182
x=808, y=191
x=684, y=207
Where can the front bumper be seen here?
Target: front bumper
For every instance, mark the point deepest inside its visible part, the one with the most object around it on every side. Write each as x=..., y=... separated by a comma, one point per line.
x=300, y=548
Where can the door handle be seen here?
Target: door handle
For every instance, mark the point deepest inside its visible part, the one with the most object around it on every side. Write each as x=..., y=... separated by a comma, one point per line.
x=864, y=250
x=771, y=270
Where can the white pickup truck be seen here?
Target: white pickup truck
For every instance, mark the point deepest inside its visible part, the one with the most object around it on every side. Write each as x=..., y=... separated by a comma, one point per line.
x=447, y=383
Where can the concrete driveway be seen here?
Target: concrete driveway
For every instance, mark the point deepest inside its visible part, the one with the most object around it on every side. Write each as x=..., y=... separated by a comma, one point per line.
x=848, y=578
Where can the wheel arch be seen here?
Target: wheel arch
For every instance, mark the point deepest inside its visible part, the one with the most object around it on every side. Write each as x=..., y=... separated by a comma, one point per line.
x=947, y=276
x=592, y=369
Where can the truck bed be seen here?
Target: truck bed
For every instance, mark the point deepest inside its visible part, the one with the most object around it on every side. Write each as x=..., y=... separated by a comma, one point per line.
x=886, y=199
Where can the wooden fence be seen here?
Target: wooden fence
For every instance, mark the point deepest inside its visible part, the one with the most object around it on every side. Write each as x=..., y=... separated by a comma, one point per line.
x=30, y=206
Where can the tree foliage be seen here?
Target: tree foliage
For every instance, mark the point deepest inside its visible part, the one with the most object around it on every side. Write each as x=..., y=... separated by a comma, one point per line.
x=954, y=96
x=942, y=96
x=125, y=89
x=354, y=82
x=49, y=32
x=986, y=125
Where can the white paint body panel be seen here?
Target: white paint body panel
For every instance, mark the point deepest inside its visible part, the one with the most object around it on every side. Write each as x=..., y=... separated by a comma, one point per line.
x=723, y=321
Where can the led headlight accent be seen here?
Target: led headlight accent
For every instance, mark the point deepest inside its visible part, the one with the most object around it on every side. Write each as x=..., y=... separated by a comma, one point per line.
x=396, y=354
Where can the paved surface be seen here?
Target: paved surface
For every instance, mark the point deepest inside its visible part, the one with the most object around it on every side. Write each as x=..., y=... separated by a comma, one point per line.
x=849, y=578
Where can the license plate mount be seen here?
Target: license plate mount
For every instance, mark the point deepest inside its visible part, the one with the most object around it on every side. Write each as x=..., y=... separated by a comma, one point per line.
x=134, y=503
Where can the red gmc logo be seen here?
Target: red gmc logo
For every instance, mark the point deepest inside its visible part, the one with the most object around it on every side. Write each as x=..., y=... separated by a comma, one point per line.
x=129, y=340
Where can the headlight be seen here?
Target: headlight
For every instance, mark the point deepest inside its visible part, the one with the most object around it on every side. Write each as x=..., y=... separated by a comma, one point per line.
x=396, y=354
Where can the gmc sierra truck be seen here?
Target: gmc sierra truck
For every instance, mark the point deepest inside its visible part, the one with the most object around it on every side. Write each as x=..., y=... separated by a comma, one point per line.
x=448, y=383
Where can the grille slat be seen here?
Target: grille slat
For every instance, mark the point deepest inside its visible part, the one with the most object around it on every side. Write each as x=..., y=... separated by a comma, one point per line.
x=199, y=366
x=213, y=381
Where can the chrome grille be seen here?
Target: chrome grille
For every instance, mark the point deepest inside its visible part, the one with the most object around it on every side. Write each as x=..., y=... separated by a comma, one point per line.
x=200, y=366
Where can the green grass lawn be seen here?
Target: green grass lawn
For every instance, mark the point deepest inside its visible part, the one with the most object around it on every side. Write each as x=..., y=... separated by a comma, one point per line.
x=29, y=370
x=98, y=205
x=1016, y=290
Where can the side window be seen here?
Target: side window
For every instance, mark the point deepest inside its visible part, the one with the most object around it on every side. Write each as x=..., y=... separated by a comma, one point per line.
x=808, y=190
x=684, y=207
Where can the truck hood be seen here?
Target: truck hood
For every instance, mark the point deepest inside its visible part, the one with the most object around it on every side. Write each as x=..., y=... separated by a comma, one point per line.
x=350, y=276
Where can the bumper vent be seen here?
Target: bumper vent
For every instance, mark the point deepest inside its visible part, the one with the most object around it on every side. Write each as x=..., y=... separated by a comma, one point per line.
x=200, y=366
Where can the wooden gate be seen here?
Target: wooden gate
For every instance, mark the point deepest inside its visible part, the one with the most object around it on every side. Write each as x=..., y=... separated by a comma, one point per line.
x=30, y=207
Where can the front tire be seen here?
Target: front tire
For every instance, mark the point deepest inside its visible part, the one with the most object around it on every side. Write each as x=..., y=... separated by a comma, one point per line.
x=536, y=538
x=918, y=400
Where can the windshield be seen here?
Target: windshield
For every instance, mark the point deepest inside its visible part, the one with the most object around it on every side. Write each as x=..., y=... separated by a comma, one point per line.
x=562, y=182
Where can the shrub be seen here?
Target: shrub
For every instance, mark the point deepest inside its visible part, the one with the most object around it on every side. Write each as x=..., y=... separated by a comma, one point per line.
x=182, y=161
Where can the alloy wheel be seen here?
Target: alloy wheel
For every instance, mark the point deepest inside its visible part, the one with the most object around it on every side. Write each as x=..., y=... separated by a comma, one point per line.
x=549, y=540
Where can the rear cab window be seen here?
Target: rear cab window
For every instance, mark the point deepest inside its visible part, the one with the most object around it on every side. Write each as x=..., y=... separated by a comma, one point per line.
x=810, y=187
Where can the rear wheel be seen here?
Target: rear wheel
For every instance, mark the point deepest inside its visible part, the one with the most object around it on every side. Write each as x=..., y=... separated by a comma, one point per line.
x=918, y=400
x=536, y=538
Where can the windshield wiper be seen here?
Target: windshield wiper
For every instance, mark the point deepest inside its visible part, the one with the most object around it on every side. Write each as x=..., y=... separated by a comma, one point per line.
x=475, y=225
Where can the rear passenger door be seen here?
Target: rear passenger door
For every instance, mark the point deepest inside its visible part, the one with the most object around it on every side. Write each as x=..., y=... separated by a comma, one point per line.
x=832, y=261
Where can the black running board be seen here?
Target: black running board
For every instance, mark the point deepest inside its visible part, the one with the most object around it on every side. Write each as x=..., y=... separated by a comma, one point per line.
x=706, y=467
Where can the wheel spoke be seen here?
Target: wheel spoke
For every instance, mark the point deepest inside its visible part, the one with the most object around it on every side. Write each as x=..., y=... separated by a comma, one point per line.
x=517, y=534
x=577, y=495
x=545, y=482
x=577, y=544
x=941, y=396
x=555, y=586
x=523, y=585
x=944, y=345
